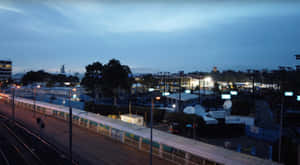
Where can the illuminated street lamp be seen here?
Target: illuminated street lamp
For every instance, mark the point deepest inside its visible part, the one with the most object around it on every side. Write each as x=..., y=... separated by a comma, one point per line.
x=174, y=106
x=288, y=93
x=298, y=98
x=225, y=96
x=34, y=99
x=187, y=91
x=234, y=93
x=165, y=93
x=151, y=125
x=70, y=122
x=13, y=88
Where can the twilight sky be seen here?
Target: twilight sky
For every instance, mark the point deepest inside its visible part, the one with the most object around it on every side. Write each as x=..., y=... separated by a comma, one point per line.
x=150, y=35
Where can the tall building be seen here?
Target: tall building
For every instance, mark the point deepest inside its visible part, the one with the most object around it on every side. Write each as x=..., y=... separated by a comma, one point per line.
x=62, y=69
x=5, y=70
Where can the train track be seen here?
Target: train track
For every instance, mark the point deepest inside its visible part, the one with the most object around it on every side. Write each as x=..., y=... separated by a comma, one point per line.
x=22, y=146
x=14, y=151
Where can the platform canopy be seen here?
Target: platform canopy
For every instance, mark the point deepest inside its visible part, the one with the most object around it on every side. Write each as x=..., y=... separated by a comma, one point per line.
x=184, y=96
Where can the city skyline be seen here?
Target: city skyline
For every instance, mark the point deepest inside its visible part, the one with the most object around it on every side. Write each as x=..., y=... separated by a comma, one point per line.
x=150, y=37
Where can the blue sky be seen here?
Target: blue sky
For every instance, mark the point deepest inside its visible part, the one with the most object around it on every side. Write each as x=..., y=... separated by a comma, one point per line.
x=150, y=36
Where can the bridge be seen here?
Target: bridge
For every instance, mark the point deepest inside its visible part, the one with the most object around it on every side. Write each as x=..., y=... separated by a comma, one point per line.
x=173, y=148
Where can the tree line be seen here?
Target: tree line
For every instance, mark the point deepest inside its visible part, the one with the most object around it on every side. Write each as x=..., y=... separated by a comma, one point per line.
x=48, y=78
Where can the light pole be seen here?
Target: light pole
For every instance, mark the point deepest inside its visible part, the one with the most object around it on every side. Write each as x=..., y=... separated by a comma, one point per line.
x=34, y=99
x=287, y=94
x=199, y=90
x=151, y=121
x=13, y=104
x=13, y=101
x=151, y=125
x=70, y=123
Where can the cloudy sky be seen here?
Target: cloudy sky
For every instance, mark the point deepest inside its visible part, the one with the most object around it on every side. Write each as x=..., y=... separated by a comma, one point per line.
x=150, y=35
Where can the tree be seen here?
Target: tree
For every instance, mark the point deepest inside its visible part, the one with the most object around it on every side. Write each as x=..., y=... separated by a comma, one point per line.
x=92, y=80
x=33, y=77
x=116, y=78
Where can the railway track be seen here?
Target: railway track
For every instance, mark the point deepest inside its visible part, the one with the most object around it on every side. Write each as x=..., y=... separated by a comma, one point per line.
x=14, y=151
x=21, y=146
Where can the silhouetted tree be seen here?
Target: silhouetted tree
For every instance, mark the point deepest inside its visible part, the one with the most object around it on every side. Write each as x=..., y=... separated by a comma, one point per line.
x=92, y=80
x=34, y=77
x=116, y=78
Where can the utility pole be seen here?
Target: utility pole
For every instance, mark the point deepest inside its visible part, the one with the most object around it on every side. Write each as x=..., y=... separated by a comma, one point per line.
x=253, y=91
x=281, y=127
x=151, y=125
x=70, y=125
x=13, y=104
x=281, y=112
x=199, y=90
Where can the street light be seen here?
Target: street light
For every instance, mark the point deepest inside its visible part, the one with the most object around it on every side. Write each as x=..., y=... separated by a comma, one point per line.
x=13, y=88
x=187, y=91
x=225, y=96
x=174, y=106
x=165, y=93
x=34, y=99
x=287, y=94
x=151, y=124
x=298, y=98
x=13, y=102
x=70, y=122
x=234, y=93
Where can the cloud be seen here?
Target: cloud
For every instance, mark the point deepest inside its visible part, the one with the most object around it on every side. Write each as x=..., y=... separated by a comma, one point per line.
x=10, y=9
x=99, y=17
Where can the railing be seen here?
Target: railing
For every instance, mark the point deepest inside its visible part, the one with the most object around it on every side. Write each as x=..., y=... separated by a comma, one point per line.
x=171, y=153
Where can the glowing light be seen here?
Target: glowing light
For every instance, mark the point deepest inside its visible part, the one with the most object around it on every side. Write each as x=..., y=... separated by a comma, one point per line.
x=187, y=91
x=18, y=86
x=226, y=96
x=207, y=79
x=166, y=93
x=74, y=96
x=74, y=89
x=288, y=93
x=174, y=105
x=298, y=98
x=38, y=86
x=157, y=98
x=151, y=89
x=233, y=93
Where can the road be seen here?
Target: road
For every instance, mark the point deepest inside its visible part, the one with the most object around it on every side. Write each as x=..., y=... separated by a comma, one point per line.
x=89, y=148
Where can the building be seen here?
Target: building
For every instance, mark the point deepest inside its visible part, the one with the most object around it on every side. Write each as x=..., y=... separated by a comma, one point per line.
x=172, y=82
x=133, y=119
x=5, y=70
x=62, y=69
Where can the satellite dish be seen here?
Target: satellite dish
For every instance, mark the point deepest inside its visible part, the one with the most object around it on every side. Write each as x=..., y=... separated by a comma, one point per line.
x=227, y=104
x=189, y=110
